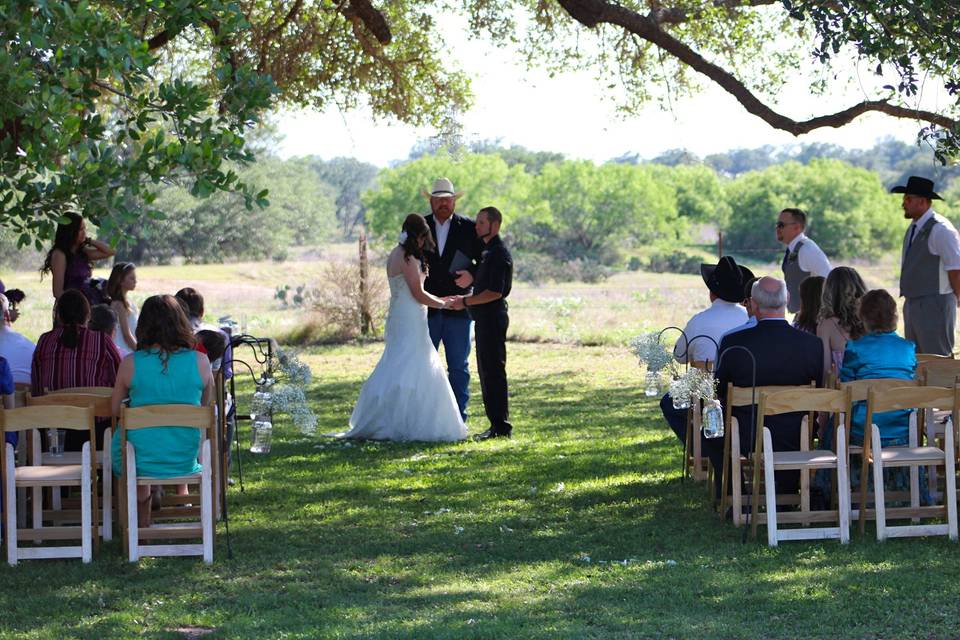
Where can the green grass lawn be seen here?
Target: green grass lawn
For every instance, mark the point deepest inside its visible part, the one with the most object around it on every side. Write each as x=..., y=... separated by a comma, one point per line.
x=578, y=527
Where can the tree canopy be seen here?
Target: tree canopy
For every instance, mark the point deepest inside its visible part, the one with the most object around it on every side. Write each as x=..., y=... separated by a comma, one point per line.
x=102, y=101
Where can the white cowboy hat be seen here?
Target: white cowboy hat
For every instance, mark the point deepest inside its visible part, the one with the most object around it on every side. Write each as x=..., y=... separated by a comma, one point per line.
x=442, y=188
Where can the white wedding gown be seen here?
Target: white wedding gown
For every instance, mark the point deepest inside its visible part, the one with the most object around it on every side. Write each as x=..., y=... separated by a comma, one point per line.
x=408, y=396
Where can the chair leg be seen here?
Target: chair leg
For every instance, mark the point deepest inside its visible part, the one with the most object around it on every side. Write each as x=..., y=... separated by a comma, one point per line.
x=843, y=486
x=950, y=481
x=107, y=468
x=879, y=499
x=86, y=505
x=10, y=507
x=771, y=489
x=724, y=481
x=862, y=510
x=133, y=528
x=206, y=502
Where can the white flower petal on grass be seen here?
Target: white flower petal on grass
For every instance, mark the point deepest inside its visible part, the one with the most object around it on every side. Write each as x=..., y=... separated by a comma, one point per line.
x=671, y=563
x=505, y=529
x=457, y=531
x=559, y=488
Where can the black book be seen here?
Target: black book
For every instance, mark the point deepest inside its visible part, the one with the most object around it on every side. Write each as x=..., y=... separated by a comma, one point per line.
x=460, y=262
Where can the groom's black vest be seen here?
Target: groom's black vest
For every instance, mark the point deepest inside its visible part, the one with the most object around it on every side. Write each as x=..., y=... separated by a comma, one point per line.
x=463, y=237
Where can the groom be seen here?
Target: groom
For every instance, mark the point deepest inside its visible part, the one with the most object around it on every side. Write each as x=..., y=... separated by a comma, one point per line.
x=488, y=306
x=451, y=268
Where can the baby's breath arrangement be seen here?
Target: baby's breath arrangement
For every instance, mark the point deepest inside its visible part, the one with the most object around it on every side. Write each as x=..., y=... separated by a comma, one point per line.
x=650, y=351
x=288, y=390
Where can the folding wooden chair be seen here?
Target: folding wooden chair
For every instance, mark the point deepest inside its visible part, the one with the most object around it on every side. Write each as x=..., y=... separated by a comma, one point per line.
x=858, y=393
x=201, y=418
x=81, y=475
x=734, y=462
x=697, y=466
x=805, y=399
x=102, y=410
x=874, y=453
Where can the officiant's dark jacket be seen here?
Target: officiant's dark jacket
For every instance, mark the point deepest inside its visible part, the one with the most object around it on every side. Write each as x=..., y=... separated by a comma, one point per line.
x=440, y=282
x=785, y=356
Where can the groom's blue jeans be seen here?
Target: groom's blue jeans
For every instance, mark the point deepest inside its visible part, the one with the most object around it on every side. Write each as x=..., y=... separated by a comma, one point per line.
x=454, y=333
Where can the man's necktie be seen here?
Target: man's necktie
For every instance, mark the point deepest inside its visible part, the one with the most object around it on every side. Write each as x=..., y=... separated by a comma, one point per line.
x=786, y=255
x=913, y=232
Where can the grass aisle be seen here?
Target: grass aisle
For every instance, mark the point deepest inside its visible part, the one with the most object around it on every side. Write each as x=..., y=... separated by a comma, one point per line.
x=579, y=527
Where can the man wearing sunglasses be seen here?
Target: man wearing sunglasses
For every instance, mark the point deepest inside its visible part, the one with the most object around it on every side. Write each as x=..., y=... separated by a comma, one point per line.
x=801, y=257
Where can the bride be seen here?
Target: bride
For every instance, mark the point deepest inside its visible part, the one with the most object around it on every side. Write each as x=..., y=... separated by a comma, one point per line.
x=408, y=397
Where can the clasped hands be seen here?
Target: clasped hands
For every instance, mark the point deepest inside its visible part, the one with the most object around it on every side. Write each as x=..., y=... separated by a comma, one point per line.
x=454, y=302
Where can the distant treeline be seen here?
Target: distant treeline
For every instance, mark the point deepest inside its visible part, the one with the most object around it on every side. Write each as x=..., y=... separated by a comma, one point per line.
x=567, y=218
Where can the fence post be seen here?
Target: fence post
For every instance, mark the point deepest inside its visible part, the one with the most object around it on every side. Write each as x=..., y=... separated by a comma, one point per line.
x=366, y=318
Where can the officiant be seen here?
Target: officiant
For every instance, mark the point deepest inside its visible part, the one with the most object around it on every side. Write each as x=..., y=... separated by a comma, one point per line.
x=452, y=266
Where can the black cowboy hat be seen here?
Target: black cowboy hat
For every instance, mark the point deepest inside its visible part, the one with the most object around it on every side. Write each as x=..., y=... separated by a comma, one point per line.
x=726, y=279
x=917, y=186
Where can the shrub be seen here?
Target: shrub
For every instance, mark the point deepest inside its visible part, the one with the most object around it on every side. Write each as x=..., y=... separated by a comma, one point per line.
x=674, y=262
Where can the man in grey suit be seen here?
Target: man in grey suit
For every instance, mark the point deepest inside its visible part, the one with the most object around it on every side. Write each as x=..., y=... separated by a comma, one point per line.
x=930, y=270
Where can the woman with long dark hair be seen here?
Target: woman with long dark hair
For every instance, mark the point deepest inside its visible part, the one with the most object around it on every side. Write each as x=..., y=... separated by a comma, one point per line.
x=72, y=355
x=71, y=259
x=164, y=369
x=408, y=396
x=123, y=280
x=811, y=296
x=839, y=321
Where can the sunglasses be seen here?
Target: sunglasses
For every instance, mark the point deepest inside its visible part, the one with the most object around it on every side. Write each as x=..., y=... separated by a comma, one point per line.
x=781, y=224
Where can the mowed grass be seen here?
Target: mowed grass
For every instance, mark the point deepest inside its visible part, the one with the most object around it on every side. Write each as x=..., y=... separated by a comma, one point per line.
x=578, y=527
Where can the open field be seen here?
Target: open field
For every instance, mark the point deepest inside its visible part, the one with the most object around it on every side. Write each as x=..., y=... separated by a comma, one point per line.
x=578, y=527
x=606, y=313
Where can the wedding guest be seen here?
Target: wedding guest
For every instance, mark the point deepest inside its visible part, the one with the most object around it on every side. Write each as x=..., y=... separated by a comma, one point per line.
x=104, y=320
x=123, y=280
x=451, y=267
x=811, y=294
x=71, y=258
x=783, y=356
x=879, y=353
x=839, y=321
x=748, y=305
x=14, y=347
x=165, y=369
x=725, y=283
x=929, y=270
x=71, y=355
x=14, y=297
x=802, y=257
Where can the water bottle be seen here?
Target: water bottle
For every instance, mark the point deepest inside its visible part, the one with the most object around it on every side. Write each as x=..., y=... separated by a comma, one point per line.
x=712, y=419
x=262, y=434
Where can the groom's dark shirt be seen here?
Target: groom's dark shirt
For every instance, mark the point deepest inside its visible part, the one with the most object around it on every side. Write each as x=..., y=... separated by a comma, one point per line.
x=461, y=237
x=494, y=274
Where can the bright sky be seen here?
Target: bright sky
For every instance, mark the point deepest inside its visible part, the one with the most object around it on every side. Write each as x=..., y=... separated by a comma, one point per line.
x=567, y=113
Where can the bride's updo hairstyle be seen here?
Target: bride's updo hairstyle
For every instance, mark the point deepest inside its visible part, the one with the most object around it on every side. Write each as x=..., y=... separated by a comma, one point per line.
x=415, y=227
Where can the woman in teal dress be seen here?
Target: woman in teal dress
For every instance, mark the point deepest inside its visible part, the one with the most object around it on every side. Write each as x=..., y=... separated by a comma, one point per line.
x=880, y=353
x=164, y=369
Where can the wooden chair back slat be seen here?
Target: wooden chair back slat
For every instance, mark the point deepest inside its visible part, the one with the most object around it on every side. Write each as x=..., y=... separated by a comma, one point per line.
x=48, y=417
x=805, y=399
x=932, y=357
x=163, y=415
x=743, y=396
x=901, y=398
x=102, y=406
x=99, y=391
x=860, y=388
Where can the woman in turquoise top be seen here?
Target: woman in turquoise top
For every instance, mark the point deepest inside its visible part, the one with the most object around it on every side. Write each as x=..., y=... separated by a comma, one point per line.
x=880, y=353
x=163, y=370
